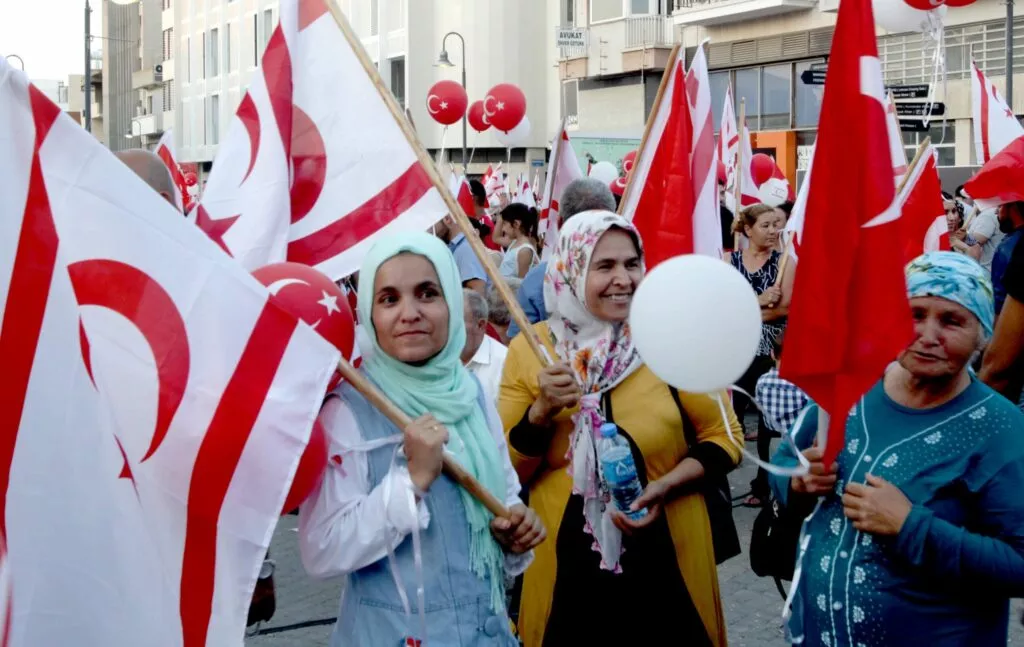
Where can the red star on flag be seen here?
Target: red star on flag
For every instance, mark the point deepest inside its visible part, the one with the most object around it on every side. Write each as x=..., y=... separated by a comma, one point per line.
x=215, y=229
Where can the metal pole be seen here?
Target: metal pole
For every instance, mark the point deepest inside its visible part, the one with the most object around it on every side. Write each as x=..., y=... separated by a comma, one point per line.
x=1009, y=53
x=87, y=110
x=465, y=160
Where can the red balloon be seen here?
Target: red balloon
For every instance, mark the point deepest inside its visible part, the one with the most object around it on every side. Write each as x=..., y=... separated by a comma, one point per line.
x=959, y=3
x=477, y=118
x=761, y=168
x=618, y=185
x=505, y=106
x=723, y=174
x=310, y=471
x=446, y=102
x=926, y=5
x=315, y=299
x=628, y=161
x=190, y=179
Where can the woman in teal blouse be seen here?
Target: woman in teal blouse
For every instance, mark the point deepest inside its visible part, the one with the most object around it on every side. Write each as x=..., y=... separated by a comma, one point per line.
x=918, y=533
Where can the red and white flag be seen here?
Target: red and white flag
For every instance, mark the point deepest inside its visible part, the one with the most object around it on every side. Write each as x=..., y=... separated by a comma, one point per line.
x=728, y=139
x=671, y=196
x=748, y=187
x=165, y=150
x=849, y=316
x=922, y=213
x=995, y=125
x=1001, y=179
x=525, y=195
x=896, y=150
x=459, y=186
x=156, y=401
x=562, y=170
x=494, y=185
x=315, y=166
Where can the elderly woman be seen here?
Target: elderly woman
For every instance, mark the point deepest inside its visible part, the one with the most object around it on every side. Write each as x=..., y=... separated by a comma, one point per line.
x=919, y=534
x=373, y=498
x=759, y=264
x=607, y=579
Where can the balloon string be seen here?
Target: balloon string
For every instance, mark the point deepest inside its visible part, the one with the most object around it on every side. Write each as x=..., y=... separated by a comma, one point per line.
x=787, y=439
x=472, y=152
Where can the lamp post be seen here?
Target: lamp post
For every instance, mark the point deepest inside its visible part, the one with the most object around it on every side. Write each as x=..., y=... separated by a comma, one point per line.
x=20, y=60
x=444, y=61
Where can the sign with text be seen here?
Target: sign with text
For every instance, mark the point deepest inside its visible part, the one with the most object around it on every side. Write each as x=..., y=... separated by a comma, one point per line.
x=570, y=37
x=913, y=126
x=813, y=77
x=918, y=91
x=920, y=109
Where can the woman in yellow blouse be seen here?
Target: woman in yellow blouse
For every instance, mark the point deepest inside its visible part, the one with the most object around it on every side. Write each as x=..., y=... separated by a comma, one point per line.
x=601, y=578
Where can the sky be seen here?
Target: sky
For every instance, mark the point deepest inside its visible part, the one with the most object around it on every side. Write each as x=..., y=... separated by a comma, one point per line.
x=48, y=35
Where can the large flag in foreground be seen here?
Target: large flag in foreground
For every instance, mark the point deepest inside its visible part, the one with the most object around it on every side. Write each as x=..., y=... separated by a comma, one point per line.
x=562, y=170
x=671, y=195
x=849, y=316
x=156, y=401
x=314, y=166
x=995, y=125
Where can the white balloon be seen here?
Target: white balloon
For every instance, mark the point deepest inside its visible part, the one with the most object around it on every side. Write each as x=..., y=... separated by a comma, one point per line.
x=774, y=191
x=515, y=137
x=898, y=16
x=604, y=171
x=696, y=323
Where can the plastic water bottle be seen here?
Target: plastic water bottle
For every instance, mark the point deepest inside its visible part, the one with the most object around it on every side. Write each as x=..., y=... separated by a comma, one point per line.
x=619, y=470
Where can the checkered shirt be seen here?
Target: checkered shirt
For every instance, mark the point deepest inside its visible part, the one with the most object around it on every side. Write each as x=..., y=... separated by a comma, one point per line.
x=781, y=400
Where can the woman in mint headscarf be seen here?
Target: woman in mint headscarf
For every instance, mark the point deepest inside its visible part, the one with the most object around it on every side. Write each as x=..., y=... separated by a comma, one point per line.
x=919, y=534
x=376, y=504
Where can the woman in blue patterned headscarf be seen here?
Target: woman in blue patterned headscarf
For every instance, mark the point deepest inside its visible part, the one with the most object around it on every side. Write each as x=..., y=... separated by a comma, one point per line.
x=918, y=537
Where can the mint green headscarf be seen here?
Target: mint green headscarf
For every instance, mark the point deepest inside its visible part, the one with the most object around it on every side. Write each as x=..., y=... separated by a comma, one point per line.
x=442, y=387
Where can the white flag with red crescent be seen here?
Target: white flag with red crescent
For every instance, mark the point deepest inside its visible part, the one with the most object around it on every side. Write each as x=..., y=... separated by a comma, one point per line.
x=156, y=401
x=315, y=166
x=995, y=125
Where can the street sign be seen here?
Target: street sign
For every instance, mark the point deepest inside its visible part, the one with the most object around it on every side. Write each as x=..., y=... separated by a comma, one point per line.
x=570, y=37
x=813, y=77
x=920, y=109
x=913, y=126
x=919, y=91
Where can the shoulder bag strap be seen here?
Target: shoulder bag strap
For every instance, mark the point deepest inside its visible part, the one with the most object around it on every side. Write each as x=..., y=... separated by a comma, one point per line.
x=688, y=431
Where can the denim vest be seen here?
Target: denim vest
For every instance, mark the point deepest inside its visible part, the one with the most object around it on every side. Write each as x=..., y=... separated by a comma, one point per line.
x=457, y=602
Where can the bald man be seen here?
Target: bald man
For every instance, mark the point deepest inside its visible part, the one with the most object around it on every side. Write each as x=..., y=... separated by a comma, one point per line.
x=152, y=170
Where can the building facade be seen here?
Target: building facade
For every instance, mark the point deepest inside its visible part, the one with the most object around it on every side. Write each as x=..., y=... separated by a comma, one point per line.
x=152, y=85
x=121, y=30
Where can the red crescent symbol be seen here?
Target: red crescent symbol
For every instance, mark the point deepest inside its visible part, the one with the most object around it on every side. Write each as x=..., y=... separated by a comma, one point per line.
x=133, y=294
x=309, y=164
x=250, y=118
x=487, y=113
x=429, y=109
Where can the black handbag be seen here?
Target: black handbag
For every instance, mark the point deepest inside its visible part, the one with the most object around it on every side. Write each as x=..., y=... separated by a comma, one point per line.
x=717, y=497
x=774, y=541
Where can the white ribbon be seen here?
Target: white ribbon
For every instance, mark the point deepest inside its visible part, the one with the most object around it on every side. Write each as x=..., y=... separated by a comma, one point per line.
x=787, y=439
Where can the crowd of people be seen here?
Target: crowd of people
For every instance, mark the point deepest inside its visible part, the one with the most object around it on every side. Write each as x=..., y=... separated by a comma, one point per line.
x=914, y=535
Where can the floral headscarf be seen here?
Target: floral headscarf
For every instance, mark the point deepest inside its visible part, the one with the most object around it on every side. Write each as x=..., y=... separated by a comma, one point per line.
x=601, y=354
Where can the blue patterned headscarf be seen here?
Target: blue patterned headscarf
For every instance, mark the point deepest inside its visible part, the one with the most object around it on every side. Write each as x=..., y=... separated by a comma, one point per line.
x=957, y=278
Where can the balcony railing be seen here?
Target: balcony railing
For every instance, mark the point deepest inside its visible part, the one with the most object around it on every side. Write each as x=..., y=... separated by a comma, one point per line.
x=648, y=31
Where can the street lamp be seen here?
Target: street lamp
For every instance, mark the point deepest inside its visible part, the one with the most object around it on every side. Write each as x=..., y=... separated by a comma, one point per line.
x=444, y=61
x=9, y=56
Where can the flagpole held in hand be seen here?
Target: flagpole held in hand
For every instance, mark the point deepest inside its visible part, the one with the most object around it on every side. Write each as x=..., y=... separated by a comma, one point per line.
x=921, y=148
x=402, y=420
x=514, y=309
x=741, y=126
x=655, y=108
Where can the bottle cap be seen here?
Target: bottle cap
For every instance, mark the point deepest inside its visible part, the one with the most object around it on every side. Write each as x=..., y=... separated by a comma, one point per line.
x=609, y=429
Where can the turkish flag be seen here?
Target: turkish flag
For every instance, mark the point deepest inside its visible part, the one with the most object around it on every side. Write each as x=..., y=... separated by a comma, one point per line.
x=1001, y=179
x=156, y=401
x=922, y=212
x=849, y=315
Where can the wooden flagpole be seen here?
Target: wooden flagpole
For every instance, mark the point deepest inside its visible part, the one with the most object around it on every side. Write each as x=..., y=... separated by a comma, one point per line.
x=670, y=70
x=514, y=309
x=741, y=126
x=402, y=420
x=549, y=182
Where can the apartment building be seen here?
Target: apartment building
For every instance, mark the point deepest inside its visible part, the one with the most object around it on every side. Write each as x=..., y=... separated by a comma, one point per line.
x=152, y=83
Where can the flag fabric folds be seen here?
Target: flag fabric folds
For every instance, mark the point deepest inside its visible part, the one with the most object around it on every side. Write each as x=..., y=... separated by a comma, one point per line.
x=157, y=401
x=995, y=125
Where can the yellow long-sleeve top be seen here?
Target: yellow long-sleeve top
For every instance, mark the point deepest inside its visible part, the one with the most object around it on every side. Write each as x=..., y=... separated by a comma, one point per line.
x=643, y=405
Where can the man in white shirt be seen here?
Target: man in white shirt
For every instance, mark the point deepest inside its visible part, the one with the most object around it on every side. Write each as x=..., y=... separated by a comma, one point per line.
x=483, y=355
x=984, y=229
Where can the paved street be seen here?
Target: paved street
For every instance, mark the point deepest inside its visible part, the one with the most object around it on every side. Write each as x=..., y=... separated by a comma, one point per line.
x=752, y=604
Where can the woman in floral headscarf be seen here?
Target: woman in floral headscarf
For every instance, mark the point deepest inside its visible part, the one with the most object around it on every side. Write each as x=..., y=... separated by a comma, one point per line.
x=918, y=537
x=602, y=578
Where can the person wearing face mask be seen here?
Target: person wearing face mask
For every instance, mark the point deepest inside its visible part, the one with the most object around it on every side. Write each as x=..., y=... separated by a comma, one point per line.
x=918, y=534
x=656, y=576
x=372, y=498
x=759, y=264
